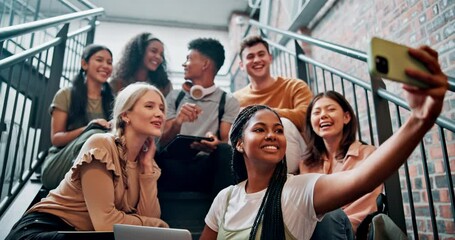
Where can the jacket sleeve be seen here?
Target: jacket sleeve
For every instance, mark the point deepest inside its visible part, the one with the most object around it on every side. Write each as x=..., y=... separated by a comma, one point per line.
x=301, y=96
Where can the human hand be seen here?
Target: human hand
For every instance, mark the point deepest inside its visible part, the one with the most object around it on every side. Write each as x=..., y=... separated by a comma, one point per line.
x=206, y=146
x=426, y=104
x=189, y=112
x=156, y=222
x=147, y=155
x=102, y=122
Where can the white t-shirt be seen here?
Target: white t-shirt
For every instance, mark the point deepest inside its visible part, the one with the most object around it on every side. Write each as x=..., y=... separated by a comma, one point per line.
x=296, y=203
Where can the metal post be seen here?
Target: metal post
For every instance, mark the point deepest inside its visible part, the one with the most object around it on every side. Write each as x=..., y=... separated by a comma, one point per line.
x=37, y=11
x=91, y=34
x=53, y=86
x=301, y=69
x=384, y=129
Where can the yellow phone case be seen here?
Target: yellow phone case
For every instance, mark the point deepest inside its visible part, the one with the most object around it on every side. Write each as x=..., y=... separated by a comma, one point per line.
x=388, y=60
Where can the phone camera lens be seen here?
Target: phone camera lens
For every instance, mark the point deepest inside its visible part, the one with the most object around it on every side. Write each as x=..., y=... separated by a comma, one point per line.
x=382, y=65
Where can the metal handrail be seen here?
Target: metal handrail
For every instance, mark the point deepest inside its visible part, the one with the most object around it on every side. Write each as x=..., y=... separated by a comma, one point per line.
x=88, y=4
x=70, y=6
x=441, y=120
x=350, y=52
x=21, y=29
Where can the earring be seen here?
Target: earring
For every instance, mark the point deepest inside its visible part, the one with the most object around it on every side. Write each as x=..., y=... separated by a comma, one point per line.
x=145, y=148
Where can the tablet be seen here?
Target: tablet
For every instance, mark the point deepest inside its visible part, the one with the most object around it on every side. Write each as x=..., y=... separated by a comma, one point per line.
x=180, y=146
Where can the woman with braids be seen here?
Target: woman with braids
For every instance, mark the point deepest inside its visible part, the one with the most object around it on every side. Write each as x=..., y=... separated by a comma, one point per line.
x=78, y=112
x=113, y=179
x=142, y=61
x=267, y=203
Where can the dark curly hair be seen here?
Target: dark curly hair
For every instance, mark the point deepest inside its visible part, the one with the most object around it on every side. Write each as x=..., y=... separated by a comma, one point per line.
x=131, y=61
x=270, y=210
x=210, y=48
x=315, y=144
x=78, y=103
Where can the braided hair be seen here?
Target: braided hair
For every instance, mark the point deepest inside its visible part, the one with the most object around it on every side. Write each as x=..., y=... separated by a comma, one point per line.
x=270, y=210
x=79, y=97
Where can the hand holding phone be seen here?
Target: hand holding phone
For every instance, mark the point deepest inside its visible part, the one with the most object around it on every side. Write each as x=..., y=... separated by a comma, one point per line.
x=389, y=60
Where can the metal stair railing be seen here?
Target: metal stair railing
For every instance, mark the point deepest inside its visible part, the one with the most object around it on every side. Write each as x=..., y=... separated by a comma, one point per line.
x=14, y=12
x=370, y=100
x=28, y=81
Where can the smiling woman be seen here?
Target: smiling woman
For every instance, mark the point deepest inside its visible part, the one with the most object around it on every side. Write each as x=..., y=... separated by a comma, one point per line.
x=331, y=128
x=76, y=110
x=113, y=179
x=142, y=61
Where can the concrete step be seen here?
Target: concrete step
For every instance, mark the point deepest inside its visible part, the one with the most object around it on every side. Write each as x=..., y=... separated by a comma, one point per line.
x=185, y=210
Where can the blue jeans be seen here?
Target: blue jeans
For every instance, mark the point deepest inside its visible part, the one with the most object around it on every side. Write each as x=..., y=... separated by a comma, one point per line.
x=334, y=226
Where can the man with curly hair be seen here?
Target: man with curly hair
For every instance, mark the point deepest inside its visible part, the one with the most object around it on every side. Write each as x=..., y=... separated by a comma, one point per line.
x=200, y=109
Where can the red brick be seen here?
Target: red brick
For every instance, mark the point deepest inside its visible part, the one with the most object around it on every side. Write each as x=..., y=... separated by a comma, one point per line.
x=412, y=171
x=435, y=152
x=445, y=211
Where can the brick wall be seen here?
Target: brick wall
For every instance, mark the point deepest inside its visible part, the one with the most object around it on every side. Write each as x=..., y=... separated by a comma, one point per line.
x=414, y=23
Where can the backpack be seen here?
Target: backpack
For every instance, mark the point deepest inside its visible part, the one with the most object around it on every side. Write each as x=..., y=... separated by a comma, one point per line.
x=378, y=225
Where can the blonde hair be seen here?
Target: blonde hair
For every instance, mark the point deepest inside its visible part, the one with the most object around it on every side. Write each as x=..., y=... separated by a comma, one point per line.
x=125, y=101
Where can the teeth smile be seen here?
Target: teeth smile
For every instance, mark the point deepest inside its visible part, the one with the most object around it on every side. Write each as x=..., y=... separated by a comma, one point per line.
x=325, y=125
x=270, y=147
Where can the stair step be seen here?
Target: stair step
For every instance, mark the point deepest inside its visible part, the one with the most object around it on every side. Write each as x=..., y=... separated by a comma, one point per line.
x=185, y=210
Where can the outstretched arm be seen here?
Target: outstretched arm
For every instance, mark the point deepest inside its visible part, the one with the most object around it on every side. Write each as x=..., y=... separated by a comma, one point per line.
x=426, y=104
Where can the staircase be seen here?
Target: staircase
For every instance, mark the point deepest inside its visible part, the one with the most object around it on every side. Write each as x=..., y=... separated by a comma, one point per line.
x=185, y=210
x=37, y=57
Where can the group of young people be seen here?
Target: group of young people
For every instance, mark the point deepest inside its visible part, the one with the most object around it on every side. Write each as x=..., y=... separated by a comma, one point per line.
x=283, y=164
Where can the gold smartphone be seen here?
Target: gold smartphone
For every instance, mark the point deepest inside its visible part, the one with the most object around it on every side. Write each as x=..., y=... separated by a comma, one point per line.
x=388, y=60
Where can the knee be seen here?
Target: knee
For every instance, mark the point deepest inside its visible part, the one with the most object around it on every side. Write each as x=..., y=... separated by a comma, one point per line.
x=334, y=225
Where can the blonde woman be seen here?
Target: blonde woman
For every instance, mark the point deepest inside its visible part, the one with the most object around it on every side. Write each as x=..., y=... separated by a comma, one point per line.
x=113, y=179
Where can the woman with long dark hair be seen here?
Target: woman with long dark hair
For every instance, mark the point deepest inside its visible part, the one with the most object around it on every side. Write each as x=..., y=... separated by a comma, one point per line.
x=76, y=110
x=142, y=61
x=332, y=146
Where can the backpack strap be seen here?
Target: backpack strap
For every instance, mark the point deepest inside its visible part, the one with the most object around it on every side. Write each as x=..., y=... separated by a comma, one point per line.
x=179, y=99
x=364, y=227
x=221, y=113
